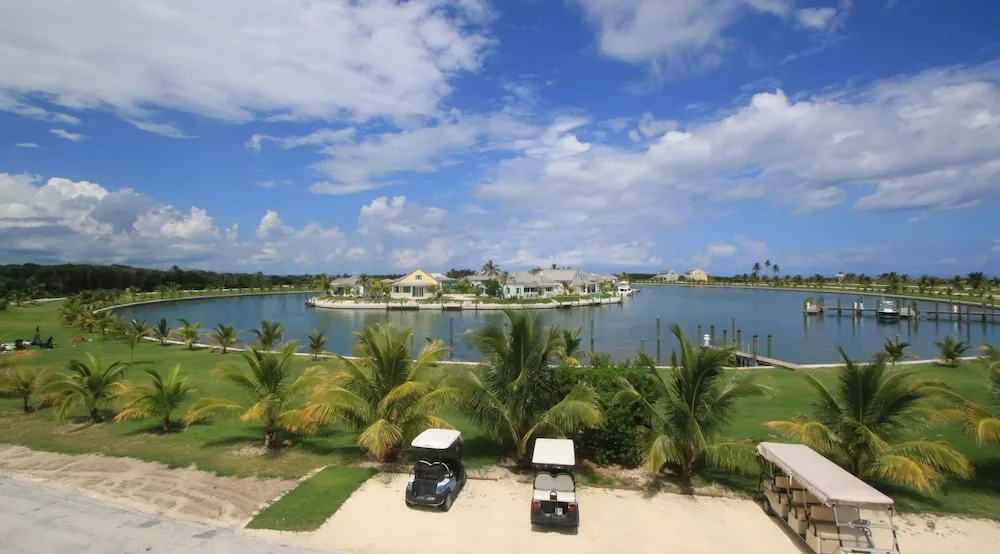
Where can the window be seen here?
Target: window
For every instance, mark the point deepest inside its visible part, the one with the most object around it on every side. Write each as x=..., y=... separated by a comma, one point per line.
x=420, y=277
x=406, y=290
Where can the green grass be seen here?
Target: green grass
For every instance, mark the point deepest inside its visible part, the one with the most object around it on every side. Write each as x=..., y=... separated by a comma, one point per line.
x=219, y=446
x=311, y=503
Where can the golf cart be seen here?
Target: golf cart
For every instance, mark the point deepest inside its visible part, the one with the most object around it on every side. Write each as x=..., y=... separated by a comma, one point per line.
x=438, y=474
x=833, y=511
x=553, y=495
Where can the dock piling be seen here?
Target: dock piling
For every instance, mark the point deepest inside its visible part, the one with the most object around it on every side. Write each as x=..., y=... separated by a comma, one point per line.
x=451, y=338
x=591, y=334
x=412, y=352
x=769, y=346
x=725, y=338
x=739, y=339
x=657, y=339
x=755, y=350
x=642, y=344
x=733, y=332
x=712, y=333
x=699, y=334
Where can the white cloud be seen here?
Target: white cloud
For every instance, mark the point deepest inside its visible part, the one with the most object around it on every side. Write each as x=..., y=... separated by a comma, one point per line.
x=27, y=145
x=164, y=129
x=316, y=138
x=10, y=102
x=273, y=183
x=236, y=60
x=649, y=126
x=63, y=133
x=815, y=18
x=996, y=245
x=271, y=226
x=836, y=259
x=675, y=32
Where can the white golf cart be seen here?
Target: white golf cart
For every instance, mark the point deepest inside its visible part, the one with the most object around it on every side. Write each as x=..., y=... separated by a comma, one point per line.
x=553, y=495
x=438, y=474
x=832, y=510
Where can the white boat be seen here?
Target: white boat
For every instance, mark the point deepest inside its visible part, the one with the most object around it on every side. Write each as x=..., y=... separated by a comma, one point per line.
x=887, y=310
x=624, y=289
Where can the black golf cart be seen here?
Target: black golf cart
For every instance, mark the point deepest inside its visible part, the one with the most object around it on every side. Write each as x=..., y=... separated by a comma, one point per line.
x=438, y=474
x=553, y=495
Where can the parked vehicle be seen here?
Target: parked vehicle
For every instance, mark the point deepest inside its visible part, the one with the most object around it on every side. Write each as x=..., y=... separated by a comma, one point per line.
x=438, y=474
x=553, y=495
x=832, y=510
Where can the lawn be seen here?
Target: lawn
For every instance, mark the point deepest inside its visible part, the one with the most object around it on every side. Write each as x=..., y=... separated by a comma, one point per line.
x=219, y=446
x=311, y=503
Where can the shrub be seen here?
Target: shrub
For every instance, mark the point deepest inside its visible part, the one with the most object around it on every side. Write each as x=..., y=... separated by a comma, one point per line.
x=617, y=441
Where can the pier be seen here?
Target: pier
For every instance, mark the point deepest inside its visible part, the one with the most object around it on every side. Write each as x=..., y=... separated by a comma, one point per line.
x=953, y=311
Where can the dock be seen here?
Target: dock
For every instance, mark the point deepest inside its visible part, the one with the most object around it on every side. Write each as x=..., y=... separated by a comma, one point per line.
x=908, y=310
x=745, y=359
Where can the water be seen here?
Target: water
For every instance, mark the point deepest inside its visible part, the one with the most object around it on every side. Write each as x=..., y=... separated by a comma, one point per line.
x=618, y=329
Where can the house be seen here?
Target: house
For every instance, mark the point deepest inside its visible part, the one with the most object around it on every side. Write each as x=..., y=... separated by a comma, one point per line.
x=348, y=286
x=667, y=276
x=444, y=281
x=696, y=275
x=553, y=282
x=418, y=284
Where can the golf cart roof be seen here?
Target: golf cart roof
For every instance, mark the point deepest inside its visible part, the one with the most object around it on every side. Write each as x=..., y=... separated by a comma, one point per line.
x=436, y=439
x=827, y=481
x=554, y=452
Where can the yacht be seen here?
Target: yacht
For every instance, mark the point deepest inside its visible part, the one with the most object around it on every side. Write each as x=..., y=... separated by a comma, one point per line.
x=887, y=310
x=624, y=289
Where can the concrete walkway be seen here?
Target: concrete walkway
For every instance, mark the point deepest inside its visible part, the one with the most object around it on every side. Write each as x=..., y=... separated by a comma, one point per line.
x=42, y=520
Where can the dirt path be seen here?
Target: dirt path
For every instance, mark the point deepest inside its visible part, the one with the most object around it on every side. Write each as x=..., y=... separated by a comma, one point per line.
x=183, y=493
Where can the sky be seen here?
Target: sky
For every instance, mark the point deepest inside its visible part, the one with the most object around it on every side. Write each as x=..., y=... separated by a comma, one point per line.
x=306, y=136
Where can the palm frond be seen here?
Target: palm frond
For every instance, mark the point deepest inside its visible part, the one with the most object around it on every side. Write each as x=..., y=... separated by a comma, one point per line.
x=380, y=438
x=207, y=408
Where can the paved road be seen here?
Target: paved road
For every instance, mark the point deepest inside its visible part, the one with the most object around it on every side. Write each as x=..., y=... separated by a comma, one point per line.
x=42, y=520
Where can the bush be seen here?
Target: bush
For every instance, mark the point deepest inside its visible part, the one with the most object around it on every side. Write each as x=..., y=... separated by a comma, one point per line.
x=617, y=441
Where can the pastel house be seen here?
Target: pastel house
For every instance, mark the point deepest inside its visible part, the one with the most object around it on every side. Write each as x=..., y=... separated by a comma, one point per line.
x=696, y=275
x=417, y=284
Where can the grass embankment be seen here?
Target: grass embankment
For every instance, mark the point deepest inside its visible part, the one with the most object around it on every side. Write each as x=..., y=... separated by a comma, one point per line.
x=311, y=503
x=220, y=446
x=934, y=295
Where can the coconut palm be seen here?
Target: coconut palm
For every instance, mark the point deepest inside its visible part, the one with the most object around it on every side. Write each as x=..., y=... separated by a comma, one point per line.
x=89, y=384
x=516, y=399
x=503, y=279
x=895, y=352
x=157, y=400
x=490, y=269
x=980, y=422
x=25, y=382
x=571, y=345
x=7, y=362
x=139, y=327
x=273, y=389
x=268, y=335
x=317, y=343
x=129, y=336
x=866, y=422
x=383, y=394
x=683, y=421
x=162, y=331
x=567, y=287
x=189, y=332
x=224, y=336
x=951, y=350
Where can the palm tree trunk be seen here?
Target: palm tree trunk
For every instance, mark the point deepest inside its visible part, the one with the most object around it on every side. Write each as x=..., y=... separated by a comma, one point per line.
x=26, y=408
x=166, y=423
x=95, y=417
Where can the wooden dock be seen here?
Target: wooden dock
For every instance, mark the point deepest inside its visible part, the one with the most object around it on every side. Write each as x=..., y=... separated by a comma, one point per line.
x=907, y=310
x=745, y=359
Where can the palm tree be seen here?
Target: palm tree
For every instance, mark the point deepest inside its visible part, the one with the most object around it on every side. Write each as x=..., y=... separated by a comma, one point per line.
x=516, y=399
x=490, y=269
x=952, y=350
x=756, y=270
x=157, y=400
x=567, y=287
x=162, y=331
x=571, y=345
x=776, y=270
x=25, y=382
x=317, y=343
x=895, y=352
x=189, y=332
x=89, y=384
x=382, y=394
x=694, y=404
x=268, y=335
x=128, y=335
x=271, y=387
x=979, y=421
x=224, y=336
x=863, y=419
x=7, y=363
x=504, y=279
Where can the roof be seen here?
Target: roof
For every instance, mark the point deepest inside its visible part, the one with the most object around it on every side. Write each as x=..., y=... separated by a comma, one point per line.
x=436, y=439
x=830, y=483
x=441, y=277
x=351, y=281
x=554, y=452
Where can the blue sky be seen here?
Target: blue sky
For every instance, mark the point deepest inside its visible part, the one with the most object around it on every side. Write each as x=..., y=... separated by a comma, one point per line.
x=624, y=135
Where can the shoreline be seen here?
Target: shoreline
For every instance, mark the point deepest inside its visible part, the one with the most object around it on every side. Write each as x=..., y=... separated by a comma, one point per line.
x=852, y=292
x=466, y=305
x=183, y=298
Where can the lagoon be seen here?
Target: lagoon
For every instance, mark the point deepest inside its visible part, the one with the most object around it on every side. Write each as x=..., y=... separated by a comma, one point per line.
x=619, y=330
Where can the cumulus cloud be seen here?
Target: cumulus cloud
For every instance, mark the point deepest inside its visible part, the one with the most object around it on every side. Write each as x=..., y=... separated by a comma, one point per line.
x=237, y=60
x=815, y=18
x=64, y=134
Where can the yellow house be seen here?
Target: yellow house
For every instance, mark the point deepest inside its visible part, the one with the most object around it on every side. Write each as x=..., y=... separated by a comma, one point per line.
x=414, y=285
x=696, y=275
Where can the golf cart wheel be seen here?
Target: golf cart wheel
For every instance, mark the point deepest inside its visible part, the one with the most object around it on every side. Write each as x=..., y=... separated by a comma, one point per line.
x=446, y=505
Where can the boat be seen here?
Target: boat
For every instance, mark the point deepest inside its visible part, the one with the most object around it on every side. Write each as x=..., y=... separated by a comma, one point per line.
x=887, y=310
x=624, y=289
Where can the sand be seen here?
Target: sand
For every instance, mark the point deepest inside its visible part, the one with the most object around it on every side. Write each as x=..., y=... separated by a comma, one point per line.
x=183, y=493
x=491, y=517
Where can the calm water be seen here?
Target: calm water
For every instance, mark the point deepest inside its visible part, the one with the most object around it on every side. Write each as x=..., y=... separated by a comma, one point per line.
x=618, y=329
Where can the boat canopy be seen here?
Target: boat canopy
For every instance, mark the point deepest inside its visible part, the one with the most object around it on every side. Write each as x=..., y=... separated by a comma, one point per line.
x=827, y=481
x=554, y=452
